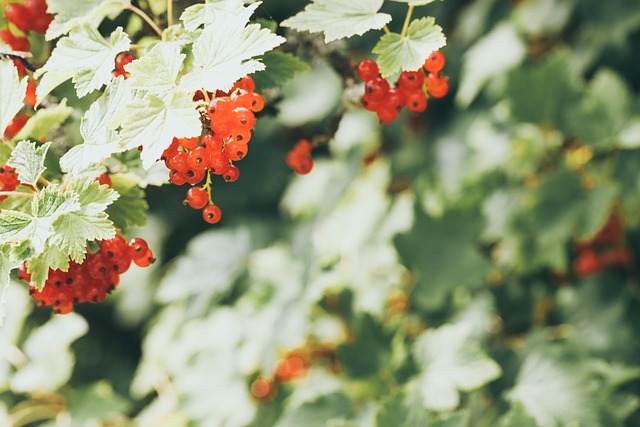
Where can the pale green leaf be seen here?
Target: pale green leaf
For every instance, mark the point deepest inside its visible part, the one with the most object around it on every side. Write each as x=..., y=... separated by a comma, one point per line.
x=553, y=391
x=451, y=360
x=69, y=14
x=338, y=19
x=100, y=138
x=222, y=54
x=52, y=258
x=216, y=12
x=153, y=122
x=397, y=53
x=44, y=120
x=83, y=56
x=49, y=359
x=6, y=265
x=12, y=92
x=28, y=160
x=90, y=222
x=36, y=228
x=158, y=69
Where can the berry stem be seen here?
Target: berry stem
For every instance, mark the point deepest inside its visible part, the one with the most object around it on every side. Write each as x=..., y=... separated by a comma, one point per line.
x=42, y=180
x=386, y=30
x=407, y=19
x=16, y=193
x=169, y=13
x=207, y=186
x=146, y=18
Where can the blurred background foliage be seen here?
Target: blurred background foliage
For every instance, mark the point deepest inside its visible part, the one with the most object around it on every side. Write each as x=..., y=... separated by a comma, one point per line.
x=471, y=266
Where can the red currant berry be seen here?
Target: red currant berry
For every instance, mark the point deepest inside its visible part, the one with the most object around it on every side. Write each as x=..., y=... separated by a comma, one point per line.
x=376, y=89
x=437, y=85
x=416, y=101
x=409, y=80
x=197, y=197
x=137, y=247
x=434, y=62
x=104, y=179
x=123, y=59
x=19, y=16
x=177, y=178
x=236, y=150
x=146, y=260
x=367, y=69
x=231, y=174
x=212, y=214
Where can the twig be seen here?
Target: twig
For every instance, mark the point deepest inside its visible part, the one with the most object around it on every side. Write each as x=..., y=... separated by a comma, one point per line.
x=146, y=18
x=405, y=26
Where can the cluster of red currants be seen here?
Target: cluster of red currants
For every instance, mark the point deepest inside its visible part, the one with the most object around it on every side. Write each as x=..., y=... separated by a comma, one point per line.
x=230, y=117
x=30, y=16
x=91, y=281
x=123, y=59
x=606, y=249
x=299, y=158
x=411, y=90
x=8, y=179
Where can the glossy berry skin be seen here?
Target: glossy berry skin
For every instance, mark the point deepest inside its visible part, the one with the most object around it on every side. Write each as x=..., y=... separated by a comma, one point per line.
x=197, y=197
x=123, y=59
x=434, y=62
x=377, y=88
x=410, y=80
x=212, y=214
x=367, y=69
x=15, y=125
x=437, y=85
x=231, y=174
x=137, y=247
x=416, y=101
x=146, y=260
x=30, y=96
x=18, y=15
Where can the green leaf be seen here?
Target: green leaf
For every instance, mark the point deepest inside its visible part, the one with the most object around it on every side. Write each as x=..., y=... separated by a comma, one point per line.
x=397, y=53
x=90, y=222
x=444, y=254
x=367, y=354
x=158, y=69
x=70, y=14
x=51, y=258
x=280, y=68
x=97, y=129
x=402, y=410
x=602, y=113
x=529, y=85
x=44, y=120
x=451, y=361
x=317, y=413
x=36, y=228
x=153, y=122
x=554, y=392
x=28, y=160
x=223, y=54
x=12, y=93
x=130, y=209
x=517, y=417
x=85, y=57
x=339, y=19
x=216, y=12
x=97, y=401
x=6, y=265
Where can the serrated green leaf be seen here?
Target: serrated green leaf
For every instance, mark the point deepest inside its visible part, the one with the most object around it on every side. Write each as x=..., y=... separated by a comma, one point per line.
x=338, y=19
x=70, y=14
x=402, y=410
x=397, y=53
x=451, y=360
x=36, y=228
x=90, y=222
x=517, y=417
x=280, y=68
x=223, y=54
x=28, y=160
x=52, y=258
x=130, y=209
x=367, y=354
x=215, y=12
x=153, y=122
x=97, y=129
x=83, y=56
x=158, y=69
x=12, y=93
x=44, y=120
